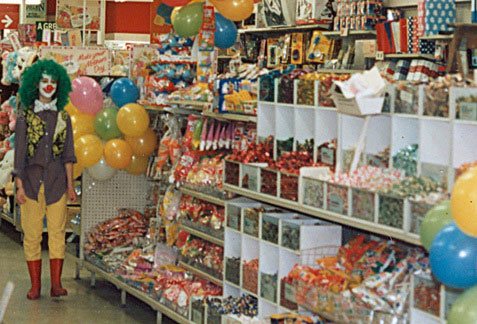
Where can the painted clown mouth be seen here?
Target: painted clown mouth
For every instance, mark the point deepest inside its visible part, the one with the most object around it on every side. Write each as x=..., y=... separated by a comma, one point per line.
x=49, y=89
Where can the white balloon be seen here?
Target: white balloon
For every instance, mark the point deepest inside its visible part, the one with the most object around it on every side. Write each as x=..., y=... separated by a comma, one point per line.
x=101, y=171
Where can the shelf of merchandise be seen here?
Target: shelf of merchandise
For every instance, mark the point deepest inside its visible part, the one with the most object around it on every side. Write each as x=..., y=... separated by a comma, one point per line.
x=8, y=217
x=202, y=235
x=199, y=105
x=202, y=196
x=326, y=215
x=201, y=273
x=360, y=33
x=410, y=3
x=154, y=304
x=277, y=29
x=350, y=71
x=232, y=117
x=437, y=37
x=408, y=56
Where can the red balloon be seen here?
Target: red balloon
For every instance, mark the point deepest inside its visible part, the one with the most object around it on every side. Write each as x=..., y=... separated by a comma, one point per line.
x=175, y=3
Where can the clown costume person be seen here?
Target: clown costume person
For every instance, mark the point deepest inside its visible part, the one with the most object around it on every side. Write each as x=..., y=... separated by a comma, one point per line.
x=43, y=168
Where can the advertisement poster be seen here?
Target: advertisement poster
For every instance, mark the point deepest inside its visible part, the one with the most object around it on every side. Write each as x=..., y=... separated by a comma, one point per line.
x=160, y=20
x=70, y=14
x=91, y=60
x=36, y=13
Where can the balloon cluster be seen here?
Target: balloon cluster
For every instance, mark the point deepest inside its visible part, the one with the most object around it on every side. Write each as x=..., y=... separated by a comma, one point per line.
x=187, y=18
x=108, y=139
x=449, y=233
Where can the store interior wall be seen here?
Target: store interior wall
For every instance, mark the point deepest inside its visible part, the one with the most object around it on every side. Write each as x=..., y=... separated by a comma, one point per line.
x=121, y=17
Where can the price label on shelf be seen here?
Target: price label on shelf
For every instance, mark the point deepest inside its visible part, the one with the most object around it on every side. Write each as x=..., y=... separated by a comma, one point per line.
x=379, y=56
x=344, y=32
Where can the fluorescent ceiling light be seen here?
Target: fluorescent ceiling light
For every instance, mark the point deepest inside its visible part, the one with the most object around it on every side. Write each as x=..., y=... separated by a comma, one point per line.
x=19, y=2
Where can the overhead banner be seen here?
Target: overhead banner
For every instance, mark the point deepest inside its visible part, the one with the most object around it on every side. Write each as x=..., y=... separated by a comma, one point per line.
x=36, y=13
x=91, y=60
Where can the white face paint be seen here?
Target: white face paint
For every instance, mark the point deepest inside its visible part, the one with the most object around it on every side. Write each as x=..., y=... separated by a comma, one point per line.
x=47, y=86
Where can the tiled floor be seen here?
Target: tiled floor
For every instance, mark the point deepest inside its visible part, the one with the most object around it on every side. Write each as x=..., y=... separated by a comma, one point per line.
x=82, y=305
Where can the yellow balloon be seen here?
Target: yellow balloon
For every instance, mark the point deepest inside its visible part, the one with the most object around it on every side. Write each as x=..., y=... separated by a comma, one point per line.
x=132, y=120
x=88, y=150
x=82, y=124
x=143, y=145
x=464, y=202
x=235, y=10
x=77, y=170
x=70, y=109
x=118, y=154
x=138, y=165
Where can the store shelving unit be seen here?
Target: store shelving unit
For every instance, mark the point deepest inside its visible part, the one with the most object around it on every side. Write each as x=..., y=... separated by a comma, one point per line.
x=231, y=117
x=279, y=29
x=127, y=289
x=351, y=33
x=202, y=196
x=201, y=273
x=202, y=235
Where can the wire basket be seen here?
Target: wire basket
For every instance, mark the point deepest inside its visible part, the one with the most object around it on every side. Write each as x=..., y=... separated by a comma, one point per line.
x=308, y=257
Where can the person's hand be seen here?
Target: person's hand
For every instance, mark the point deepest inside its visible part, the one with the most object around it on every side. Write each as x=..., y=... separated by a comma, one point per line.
x=21, y=196
x=72, y=194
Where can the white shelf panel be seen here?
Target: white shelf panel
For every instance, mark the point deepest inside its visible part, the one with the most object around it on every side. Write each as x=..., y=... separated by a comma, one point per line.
x=435, y=142
x=327, y=215
x=464, y=144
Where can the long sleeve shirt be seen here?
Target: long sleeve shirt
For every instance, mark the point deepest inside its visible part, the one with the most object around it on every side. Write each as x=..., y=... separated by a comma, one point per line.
x=43, y=167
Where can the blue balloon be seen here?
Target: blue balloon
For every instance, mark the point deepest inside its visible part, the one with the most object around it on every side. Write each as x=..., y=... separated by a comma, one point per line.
x=165, y=12
x=453, y=257
x=124, y=91
x=225, y=32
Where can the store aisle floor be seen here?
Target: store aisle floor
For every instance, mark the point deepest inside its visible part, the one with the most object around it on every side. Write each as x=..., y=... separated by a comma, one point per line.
x=82, y=305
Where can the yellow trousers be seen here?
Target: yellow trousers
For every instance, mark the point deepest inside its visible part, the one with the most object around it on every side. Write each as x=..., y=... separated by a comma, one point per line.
x=32, y=215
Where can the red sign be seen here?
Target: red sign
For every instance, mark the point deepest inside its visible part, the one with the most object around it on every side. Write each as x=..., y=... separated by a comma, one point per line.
x=9, y=16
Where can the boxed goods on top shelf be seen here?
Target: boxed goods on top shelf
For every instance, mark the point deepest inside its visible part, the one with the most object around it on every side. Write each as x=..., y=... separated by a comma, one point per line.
x=347, y=287
x=358, y=15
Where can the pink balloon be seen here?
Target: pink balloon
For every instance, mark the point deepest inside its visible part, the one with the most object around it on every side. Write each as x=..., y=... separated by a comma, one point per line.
x=87, y=95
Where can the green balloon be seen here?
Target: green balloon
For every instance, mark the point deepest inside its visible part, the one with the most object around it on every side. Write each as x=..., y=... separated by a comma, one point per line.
x=436, y=218
x=189, y=20
x=105, y=124
x=464, y=309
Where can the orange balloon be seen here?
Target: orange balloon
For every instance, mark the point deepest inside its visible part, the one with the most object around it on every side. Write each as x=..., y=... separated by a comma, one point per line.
x=464, y=202
x=71, y=109
x=118, y=154
x=77, y=170
x=235, y=10
x=82, y=124
x=88, y=150
x=132, y=119
x=143, y=145
x=138, y=165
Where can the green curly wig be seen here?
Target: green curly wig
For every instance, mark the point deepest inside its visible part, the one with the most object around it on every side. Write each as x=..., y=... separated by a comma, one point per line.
x=32, y=76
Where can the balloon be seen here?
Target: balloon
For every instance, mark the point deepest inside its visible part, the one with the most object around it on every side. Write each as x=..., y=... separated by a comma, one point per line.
x=143, y=145
x=225, y=32
x=464, y=202
x=165, y=12
x=101, y=171
x=133, y=120
x=174, y=14
x=188, y=20
x=464, y=309
x=105, y=124
x=87, y=95
x=82, y=124
x=175, y=3
x=88, y=150
x=124, y=91
x=138, y=165
x=77, y=170
x=118, y=154
x=435, y=219
x=70, y=109
x=453, y=257
x=235, y=10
